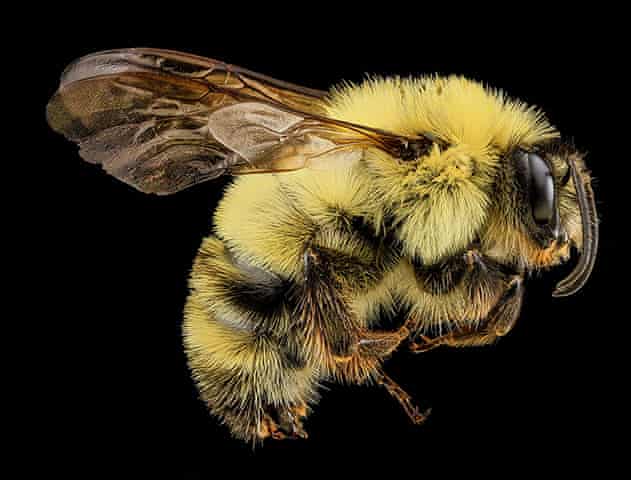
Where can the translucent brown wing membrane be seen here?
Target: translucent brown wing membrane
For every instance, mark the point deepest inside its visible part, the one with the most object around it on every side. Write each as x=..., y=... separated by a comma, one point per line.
x=162, y=121
x=184, y=65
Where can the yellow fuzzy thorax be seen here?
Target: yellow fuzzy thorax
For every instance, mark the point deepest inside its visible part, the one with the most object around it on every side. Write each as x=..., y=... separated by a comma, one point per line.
x=455, y=109
x=440, y=202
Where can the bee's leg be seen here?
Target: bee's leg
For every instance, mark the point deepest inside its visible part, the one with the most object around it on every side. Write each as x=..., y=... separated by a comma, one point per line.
x=381, y=343
x=280, y=424
x=356, y=352
x=403, y=398
x=329, y=326
x=499, y=322
x=333, y=333
x=327, y=277
x=441, y=279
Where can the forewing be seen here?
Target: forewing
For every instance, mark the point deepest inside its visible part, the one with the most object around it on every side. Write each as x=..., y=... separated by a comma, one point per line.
x=183, y=65
x=145, y=130
x=162, y=121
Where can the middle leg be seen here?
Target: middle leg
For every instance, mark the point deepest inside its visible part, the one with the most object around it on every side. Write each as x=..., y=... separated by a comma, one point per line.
x=500, y=321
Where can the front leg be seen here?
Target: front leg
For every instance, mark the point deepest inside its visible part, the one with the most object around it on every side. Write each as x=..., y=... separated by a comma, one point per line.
x=500, y=321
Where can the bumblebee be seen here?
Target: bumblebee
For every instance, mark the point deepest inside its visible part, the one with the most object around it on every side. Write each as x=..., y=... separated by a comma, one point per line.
x=426, y=198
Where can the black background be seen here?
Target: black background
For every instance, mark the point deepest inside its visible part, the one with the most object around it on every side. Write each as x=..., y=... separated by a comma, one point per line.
x=114, y=381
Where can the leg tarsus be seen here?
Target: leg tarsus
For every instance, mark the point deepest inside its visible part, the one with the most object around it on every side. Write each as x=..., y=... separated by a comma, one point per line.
x=427, y=344
x=269, y=428
x=456, y=339
x=291, y=421
x=283, y=424
x=404, y=399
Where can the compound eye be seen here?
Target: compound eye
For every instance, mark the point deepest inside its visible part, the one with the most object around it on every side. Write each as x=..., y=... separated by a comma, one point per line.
x=537, y=177
x=541, y=189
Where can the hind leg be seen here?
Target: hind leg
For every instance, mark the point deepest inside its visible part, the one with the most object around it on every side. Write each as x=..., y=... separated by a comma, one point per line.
x=358, y=352
x=243, y=359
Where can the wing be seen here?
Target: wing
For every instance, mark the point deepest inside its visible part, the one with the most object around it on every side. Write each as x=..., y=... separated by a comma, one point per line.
x=163, y=121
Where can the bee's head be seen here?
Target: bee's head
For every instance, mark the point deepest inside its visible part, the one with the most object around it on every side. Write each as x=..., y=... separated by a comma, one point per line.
x=558, y=209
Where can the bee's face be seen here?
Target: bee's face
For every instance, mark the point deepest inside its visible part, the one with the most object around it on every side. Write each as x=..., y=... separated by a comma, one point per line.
x=566, y=202
x=539, y=189
x=545, y=206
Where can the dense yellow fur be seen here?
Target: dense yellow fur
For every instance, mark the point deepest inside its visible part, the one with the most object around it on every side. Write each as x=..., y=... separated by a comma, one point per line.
x=283, y=211
x=240, y=352
x=222, y=347
x=439, y=205
x=226, y=346
x=456, y=109
x=305, y=272
x=479, y=123
x=440, y=314
x=367, y=304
